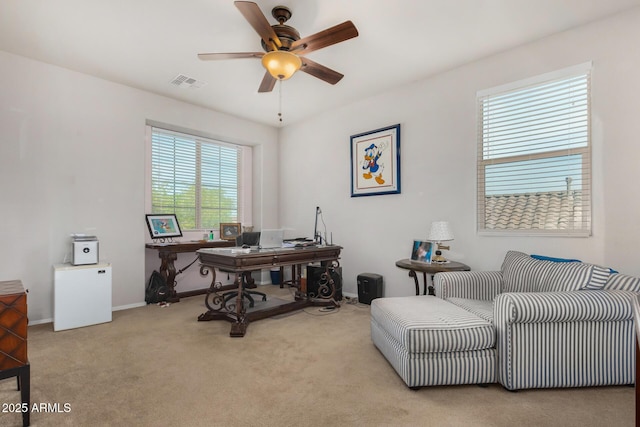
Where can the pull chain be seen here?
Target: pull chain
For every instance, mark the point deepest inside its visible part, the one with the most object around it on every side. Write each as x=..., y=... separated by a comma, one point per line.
x=280, y=100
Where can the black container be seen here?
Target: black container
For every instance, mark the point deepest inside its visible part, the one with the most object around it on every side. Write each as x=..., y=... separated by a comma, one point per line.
x=369, y=287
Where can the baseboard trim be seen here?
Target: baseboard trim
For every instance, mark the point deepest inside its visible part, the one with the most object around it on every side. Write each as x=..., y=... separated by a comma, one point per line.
x=118, y=308
x=40, y=322
x=128, y=306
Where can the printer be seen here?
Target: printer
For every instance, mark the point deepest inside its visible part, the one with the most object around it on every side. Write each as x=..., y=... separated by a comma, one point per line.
x=84, y=249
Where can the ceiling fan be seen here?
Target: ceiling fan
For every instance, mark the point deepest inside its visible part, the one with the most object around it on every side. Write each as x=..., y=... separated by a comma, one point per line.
x=284, y=50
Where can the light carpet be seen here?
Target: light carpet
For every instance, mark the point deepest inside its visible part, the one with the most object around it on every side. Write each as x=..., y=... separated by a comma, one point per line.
x=154, y=366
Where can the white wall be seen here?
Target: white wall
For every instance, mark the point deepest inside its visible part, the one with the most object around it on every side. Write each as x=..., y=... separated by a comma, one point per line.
x=438, y=150
x=72, y=159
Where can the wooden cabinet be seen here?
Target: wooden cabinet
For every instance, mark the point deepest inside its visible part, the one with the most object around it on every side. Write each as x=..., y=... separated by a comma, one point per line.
x=13, y=341
x=13, y=325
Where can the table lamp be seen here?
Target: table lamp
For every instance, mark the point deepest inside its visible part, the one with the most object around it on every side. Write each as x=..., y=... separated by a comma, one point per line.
x=440, y=232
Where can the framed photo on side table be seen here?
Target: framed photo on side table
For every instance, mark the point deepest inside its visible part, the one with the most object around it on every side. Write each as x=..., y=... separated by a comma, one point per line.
x=163, y=226
x=230, y=230
x=421, y=251
x=375, y=162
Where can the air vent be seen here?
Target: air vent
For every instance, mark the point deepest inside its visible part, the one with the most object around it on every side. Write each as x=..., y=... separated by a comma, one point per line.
x=186, y=82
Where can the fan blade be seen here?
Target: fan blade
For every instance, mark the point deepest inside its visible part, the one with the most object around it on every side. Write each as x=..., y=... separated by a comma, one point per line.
x=258, y=21
x=328, y=37
x=320, y=71
x=268, y=83
x=232, y=55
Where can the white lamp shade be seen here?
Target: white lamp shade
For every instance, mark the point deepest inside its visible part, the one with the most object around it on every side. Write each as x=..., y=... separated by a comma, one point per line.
x=440, y=231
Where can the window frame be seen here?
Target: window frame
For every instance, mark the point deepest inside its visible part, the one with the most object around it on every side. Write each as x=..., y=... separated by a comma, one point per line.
x=244, y=215
x=584, y=69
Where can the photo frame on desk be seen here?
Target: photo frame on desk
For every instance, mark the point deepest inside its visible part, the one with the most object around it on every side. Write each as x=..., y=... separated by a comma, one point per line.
x=375, y=162
x=421, y=251
x=230, y=230
x=162, y=226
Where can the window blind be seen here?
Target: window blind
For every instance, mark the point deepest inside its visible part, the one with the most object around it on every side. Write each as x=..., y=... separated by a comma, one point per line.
x=534, y=155
x=198, y=179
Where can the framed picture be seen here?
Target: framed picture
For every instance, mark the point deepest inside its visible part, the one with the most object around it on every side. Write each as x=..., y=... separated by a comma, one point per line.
x=421, y=251
x=163, y=226
x=230, y=230
x=375, y=162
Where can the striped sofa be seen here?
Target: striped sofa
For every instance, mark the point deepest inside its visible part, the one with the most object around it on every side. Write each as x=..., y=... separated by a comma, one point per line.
x=555, y=324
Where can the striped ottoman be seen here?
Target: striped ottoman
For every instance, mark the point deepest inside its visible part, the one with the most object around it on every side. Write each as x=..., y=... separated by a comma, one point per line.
x=430, y=341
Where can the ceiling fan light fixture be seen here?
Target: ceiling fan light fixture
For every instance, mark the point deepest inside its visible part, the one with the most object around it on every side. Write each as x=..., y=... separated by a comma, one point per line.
x=281, y=64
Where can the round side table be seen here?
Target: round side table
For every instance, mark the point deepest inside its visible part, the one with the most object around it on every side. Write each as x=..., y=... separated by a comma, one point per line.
x=426, y=268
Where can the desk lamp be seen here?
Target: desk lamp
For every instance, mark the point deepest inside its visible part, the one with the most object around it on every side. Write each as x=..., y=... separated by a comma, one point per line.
x=440, y=232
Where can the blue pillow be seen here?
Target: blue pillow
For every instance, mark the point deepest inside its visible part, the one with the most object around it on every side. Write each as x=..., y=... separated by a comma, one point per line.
x=548, y=258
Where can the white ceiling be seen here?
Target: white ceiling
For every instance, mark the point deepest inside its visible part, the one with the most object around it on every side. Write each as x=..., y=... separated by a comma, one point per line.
x=147, y=43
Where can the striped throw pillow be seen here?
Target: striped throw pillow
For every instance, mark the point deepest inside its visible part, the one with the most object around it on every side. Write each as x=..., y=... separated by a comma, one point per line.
x=573, y=276
x=521, y=273
x=623, y=282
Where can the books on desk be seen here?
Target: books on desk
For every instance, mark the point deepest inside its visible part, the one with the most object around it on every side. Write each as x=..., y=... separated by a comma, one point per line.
x=240, y=250
x=298, y=243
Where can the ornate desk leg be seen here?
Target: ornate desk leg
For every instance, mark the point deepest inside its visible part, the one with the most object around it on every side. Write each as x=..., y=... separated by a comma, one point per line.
x=326, y=287
x=415, y=279
x=220, y=308
x=168, y=271
x=239, y=327
x=213, y=300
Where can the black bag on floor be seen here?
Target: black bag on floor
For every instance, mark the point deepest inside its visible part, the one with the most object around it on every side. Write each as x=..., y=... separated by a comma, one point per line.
x=157, y=289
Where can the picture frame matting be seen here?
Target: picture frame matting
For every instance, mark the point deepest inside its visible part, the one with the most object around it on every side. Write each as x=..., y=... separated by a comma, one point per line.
x=375, y=162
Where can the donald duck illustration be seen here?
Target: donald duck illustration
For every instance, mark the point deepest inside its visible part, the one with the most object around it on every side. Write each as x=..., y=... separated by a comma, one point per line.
x=370, y=165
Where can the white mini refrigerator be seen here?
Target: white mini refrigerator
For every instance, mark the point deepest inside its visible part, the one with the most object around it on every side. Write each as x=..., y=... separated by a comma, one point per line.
x=81, y=295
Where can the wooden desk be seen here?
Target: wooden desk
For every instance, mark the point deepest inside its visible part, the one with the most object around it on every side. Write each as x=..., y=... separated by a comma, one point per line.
x=239, y=263
x=431, y=269
x=168, y=253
